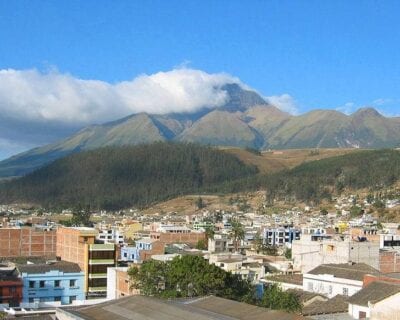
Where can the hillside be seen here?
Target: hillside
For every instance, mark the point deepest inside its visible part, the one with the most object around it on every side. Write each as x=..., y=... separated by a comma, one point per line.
x=314, y=181
x=245, y=120
x=118, y=177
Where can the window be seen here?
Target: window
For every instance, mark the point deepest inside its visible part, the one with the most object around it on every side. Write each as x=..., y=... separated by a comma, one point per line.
x=72, y=283
x=310, y=286
x=31, y=284
x=57, y=298
x=41, y=284
x=330, y=289
x=56, y=283
x=72, y=299
x=31, y=300
x=345, y=291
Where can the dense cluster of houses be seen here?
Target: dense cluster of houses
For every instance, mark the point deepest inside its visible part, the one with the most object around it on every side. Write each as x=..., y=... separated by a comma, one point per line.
x=347, y=268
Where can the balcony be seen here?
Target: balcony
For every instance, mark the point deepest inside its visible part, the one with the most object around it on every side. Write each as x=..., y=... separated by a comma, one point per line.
x=101, y=261
x=102, y=247
x=97, y=289
x=97, y=275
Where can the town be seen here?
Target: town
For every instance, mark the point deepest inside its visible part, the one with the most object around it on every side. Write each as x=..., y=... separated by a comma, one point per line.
x=341, y=261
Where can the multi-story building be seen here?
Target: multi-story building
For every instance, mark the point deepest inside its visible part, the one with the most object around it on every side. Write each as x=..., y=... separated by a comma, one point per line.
x=142, y=250
x=280, y=236
x=61, y=282
x=79, y=245
x=111, y=236
x=219, y=243
x=119, y=283
x=10, y=287
x=27, y=242
x=311, y=251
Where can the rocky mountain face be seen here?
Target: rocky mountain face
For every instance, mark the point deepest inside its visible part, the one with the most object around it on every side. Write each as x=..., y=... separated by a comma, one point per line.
x=246, y=120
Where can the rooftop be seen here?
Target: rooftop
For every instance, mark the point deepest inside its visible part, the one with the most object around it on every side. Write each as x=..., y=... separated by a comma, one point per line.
x=206, y=308
x=338, y=304
x=287, y=278
x=64, y=266
x=345, y=271
x=374, y=292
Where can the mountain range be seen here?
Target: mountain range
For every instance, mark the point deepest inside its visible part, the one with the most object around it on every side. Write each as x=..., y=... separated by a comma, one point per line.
x=245, y=120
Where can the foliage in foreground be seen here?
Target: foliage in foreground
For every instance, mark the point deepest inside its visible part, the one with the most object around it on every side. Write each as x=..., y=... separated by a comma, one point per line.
x=190, y=276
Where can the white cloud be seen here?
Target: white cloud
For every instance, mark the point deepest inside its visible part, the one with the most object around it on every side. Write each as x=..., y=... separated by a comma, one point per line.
x=348, y=108
x=285, y=102
x=32, y=95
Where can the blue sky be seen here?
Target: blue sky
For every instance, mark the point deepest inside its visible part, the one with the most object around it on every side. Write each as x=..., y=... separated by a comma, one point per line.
x=324, y=54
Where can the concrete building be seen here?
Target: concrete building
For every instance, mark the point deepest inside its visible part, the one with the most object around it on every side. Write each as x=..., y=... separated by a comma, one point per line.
x=111, y=236
x=143, y=250
x=280, y=236
x=389, y=261
x=27, y=242
x=219, y=243
x=55, y=282
x=311, y=251
x=337, y=279
x=119, y=284
x=79, y=245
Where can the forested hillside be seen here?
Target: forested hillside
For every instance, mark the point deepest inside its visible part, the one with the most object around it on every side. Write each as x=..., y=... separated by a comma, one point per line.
x=320, y=179
x=118, y=177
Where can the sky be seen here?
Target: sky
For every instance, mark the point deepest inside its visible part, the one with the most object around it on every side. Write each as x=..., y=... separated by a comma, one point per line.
x=68, y=64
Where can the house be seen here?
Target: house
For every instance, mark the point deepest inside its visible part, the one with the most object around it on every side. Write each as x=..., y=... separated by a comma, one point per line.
x=143, y=250
x=61, y=282
x=337, y=279
x=10, y=286
x=377, y=301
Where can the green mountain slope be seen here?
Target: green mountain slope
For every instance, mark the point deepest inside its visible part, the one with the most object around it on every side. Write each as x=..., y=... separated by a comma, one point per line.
x=117, y=177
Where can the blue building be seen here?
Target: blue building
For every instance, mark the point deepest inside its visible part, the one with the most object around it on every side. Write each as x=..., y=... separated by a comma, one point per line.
x=55, y=282
x=281, y=236
x=133, y=253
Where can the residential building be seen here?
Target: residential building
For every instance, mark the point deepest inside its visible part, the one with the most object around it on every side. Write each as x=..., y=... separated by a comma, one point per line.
x=110, y=236
x=312, y=250
x=377, y=301
x=143, y=250
x=27, y=242
x=119, y=284
x=389, y=261
x=280, y=236
x=337, y=279
x=61, y=282
x=219, y=243
x=10, y=286
x=79, y=245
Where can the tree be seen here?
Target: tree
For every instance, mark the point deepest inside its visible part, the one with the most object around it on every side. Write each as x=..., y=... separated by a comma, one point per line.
x=200, y=203
x=288, y=253
x=275, y=298
x=187, y=276
x=201, y=244
x=236, y=233
x=258, y=242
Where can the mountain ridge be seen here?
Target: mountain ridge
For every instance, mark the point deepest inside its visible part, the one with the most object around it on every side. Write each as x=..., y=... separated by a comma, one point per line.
x=245, y=120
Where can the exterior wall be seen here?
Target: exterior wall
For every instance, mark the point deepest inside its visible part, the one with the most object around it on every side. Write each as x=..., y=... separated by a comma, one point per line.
x=280, y=236
x=26, y=242
x=387, y=309
x=308, y=254
x=49, y=291
x=330, y=286
x=119, y=283
x=171, y=237
x=389, y=261
x=11, y=292
x=355, y=310
x=131, y=229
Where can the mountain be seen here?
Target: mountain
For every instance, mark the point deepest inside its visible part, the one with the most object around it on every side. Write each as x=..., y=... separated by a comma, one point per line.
x=246, y=119
x=118, y=177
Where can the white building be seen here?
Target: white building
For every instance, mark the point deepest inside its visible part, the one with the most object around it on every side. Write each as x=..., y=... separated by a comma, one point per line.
x=333, y=279
x=377, y=301
x=111, y=236
x=311, y=251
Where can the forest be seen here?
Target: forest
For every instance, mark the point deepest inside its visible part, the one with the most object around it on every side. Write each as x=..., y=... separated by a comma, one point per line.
x=113, y=178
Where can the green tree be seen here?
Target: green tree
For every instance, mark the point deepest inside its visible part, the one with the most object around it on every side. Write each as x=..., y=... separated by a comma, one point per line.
x=236, y=233
x=275, y=298
x=288, y=253
x=200, y=203
x=201, y=244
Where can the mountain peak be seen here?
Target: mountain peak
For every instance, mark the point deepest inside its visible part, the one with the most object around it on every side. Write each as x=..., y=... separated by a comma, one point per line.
x=367, y=112
x=240, y=99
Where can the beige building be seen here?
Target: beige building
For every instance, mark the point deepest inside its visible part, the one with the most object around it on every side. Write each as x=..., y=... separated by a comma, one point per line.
x=79, y=245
